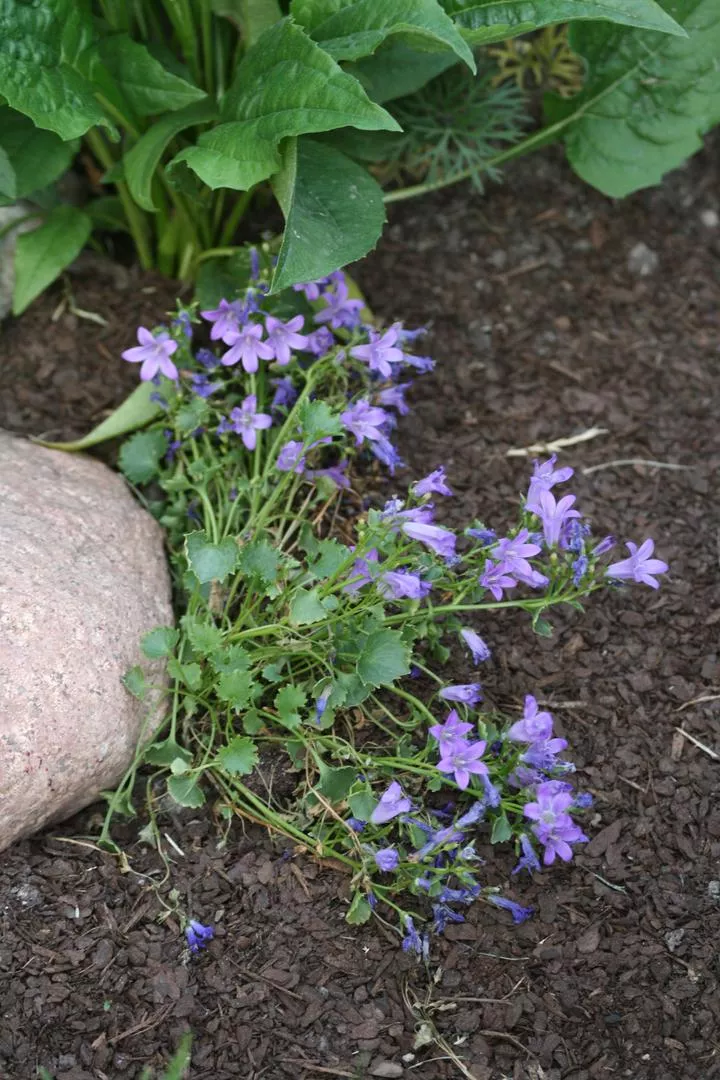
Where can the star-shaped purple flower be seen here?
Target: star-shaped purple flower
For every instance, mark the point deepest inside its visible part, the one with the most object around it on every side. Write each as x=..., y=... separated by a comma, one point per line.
x=434, y=481
x=226, y=319
x=247, y=421
x=246, y=347
x=364, y=420
x=545, y=477
x=535, y=726
x=339, y=310
x=153, y=352
x=463, y=760
x=639, y=566
x=381, y=352
x=450, y=732
x=554, y=515
x=282, y=337
x=392, y=803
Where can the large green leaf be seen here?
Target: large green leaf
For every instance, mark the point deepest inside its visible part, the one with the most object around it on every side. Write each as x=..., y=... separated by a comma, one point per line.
x=125, y=71
x=37, y=157
x=252, y=17
x=485, y=21
x=285, y=85
x=42, y=254
x=648, y=100
x=8, y=180
x=334, y=212
x=384, y=658
x=209, y=561
x=396, y=70
x=135, y=411
x=40, y=43
x=141, y=162
x=349, y=29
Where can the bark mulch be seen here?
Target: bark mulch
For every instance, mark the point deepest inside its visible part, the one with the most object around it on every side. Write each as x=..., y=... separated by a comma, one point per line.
x=541, y=330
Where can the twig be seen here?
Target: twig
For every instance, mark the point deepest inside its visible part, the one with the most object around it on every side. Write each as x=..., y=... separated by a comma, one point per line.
x=316, y=1068
x=698, y=701
x=524, y=268
x=696, y=742
x=632, y=461
x=557, y=444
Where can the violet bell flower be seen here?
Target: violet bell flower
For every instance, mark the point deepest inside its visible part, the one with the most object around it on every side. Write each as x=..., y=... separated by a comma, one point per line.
x=153, y=353
x=451, y=731
x=312, y=289
x=394, y=397
x=197, y=935
x=467, y=693
x=519, y=914
x=339, y=310
x=528, y=860
x=364, y=421
x=497, y=578
x=291, y=457
x=285, y=393
x=476, y=645
x=639, y=566
x=554, y=515
x=535, y=726
x=381, y=352
x=441, y=541
x=246, y=347
x=393, y=802
x=402, y=584
x=545, y=477
x=247, y=421
x=463, y=760
x=320, y=341
x=514, y=554
x=282, y=337
x=434, y=481
x=553, y=827
x=226, y=319
x=387, y=859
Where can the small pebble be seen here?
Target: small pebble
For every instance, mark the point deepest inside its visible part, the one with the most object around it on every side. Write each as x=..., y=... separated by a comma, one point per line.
x=386, y=1069
x=710, y=219
x=642, y=260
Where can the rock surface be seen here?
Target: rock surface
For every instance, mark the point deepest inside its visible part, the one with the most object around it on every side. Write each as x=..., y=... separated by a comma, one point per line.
x=82, y=576
x=8, y=214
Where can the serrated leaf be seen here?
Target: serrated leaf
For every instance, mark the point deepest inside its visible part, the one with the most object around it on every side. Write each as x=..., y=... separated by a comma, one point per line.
x=159, y=642
x=235, y=688
x=231, y=658
x=334, y=212
x=349, y=29
x=332, y=555
x=501, y=830
x=260, y=561
x=273, y=673
x=126, y=73
x=359, y=911
x=287, y=702
x=384, y=658
x=134, y=681
x=335, y=783
x=141, y=454
x=647, y=101
x=186, y=791
x=487, y=21
x=165, y=752
x=306, y=608
x=141, y=162
x=135, y=411
x=44, y=253
x=190, y=674
x=192, y=416
x=252, y=723
x=210, y=562
x=353, y=690
x=37, y=158
x=286, y=85
x=239, y=757
x=40, y=45
x=204, y=636
x=317, y=421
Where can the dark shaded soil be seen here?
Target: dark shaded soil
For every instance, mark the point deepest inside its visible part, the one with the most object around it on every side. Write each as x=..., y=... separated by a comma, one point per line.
x=540, y=331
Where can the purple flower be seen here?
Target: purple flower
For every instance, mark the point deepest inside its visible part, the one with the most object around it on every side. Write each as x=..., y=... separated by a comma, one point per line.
x=198, y=935
x=355, y=824
x=463, y=759
x=542, y=753
x=207, y=359
x=450, y=732
x=154, y=354
x=485, y=536
x=401, y=584
x=472, y=816
x=519, y=914
x=364, y=421
x=442, y=915
x=439, y=540
x=476, y=645
x=434, y=481
x=467, y=693
x=363, y=572
x=387, y=859
x=496, y=577
x=226, y=319
x=528, y=860
x=393, y=512
x=246, y=346
x=202, y=386
x=385, y=452
x=247, y=421
x=173, y=445
x=534, y=727
x=412, y=942
x=285, y=393
x=291, y=457
x=545, y=477
x=394, y=397
x=605, y=545
x=553, y=826
x=339, y=311
x=639, y=566
x=554, y=515
x=322, y=701
x=182, y=322
x=320, y=341
x=583, y=800
x=282, y=337
x=392, y=803
x=514, y=553
x=573, y=536
x=336, y=473
x=422, y=364
x=381, y=352
x=312, y=289
x=579, y=568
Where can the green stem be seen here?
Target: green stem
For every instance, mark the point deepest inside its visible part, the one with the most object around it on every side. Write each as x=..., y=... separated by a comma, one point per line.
x=235, y=217
x=136, y=220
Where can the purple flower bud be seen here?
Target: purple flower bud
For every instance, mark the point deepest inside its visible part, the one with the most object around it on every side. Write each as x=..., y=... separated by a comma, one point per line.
x=392, y=803
x=476, y=645
x=198, y=935
x=519, y=914
x=387, y=860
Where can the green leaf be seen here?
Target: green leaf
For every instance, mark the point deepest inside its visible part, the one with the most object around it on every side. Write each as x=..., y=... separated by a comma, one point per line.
x=353, y=690
x=135, y=411
x=125, y=72
x=239, y=757
x=186, y=791
x=36, y=157
x=8, y=180
x=140, y=456
x=317, y=421
x=252, y=17
x=384, y=658
x=501, y=830
x=287, y=702
x=190, y=674
x=647, y=102
x=542, y=627
x=177, y=1067
x=140, y=164
x=273, y=673
x=205, y=637
x=487, y=21
x=332, y=555
x=134, y=681
x=260, y=561
x=40, y=44
x=235, y=688
x=231, y=658
x=165, y=752
x=106, y=212
x=306, y=608
x=222, y=279
x=359, y=911
x=362, y=803
x=334, y=212
x=42, y=254
x=285, y=85
x=210, y=562
x=159, y=642
x=334, y=784
x=192, y=416
x=349, y=29
x=396, y=70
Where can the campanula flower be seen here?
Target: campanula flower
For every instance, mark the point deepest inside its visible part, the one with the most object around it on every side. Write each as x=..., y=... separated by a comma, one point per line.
x=467, y=693
x=202, y=386
x=387, y=859
x=355, y=824
x=554, y=515
x=198, y=935
x=312, y=289
x=207, y=359
x=247, y=348
x=434, y=481
x=553, y=827
x=153, y=353
x=528, y=860
x=285, y=393
x=247, y=421
x=385, y=452
x=402, y=584
x=534, y=727
x=452, y=730
x=284, y=336
x=542, y=754
x=339, y=310
x=497, y=577
x=380, y=353
x=392, y=803
x=607, y=544
x=476, y=645
x=485, y=536
x=336, y=473
x=364, y=421
x=291, y=457
x=226, y=319
x=394, y=397
x=519, y=914
x=439, y=540
x=320, y=341
x=463, y=760
x=639, y=566
x=545, y=476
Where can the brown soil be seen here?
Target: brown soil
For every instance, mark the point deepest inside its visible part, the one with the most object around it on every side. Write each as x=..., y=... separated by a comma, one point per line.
x=540, y=331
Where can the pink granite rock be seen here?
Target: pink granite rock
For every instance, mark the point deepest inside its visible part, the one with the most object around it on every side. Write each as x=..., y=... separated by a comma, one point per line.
x=82, y=576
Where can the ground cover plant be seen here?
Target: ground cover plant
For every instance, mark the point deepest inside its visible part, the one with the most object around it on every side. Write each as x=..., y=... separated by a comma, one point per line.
x=187, y=112
x=316, y=629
